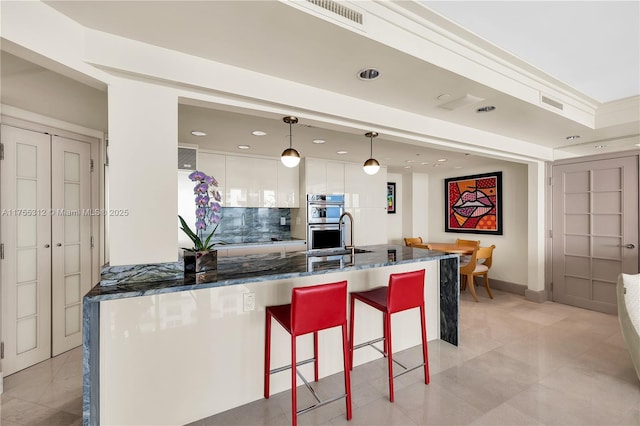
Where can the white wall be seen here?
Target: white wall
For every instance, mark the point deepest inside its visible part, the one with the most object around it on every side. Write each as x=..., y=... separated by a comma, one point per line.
x=394, y=221
x=510, y=261
x=415, y=205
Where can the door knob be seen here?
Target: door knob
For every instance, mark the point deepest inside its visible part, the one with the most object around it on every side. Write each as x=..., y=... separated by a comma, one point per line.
x=59, y=245
x=47, y=246
x=630, y=246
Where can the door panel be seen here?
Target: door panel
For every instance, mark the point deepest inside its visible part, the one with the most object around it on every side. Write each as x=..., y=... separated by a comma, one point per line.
x=71, y=236
x=595, y=216
x=26, y=234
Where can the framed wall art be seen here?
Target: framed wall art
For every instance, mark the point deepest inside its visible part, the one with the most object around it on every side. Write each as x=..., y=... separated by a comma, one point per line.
x=473, y=204
x=391, y=197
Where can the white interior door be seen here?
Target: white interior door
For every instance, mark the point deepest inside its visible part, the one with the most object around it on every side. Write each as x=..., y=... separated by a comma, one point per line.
x=71, y=238
x=595, y=230
x=26, y=235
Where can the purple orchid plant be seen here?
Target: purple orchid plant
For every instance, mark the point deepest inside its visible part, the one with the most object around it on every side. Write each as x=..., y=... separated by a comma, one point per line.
x=208, y=207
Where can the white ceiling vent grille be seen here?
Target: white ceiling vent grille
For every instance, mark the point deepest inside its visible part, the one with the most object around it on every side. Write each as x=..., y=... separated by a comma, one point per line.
x=187, y=158
x=552, y=103
x=338, y=9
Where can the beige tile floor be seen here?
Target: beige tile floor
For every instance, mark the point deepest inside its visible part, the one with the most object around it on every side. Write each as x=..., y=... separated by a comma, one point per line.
x=518, y=363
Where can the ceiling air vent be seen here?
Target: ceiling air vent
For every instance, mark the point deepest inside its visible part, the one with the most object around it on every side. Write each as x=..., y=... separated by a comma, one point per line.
x=187, y=158
x=550, y=102
x=338, y=9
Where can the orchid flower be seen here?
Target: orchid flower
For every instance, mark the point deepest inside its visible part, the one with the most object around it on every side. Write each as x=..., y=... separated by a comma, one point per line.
x=207, y=208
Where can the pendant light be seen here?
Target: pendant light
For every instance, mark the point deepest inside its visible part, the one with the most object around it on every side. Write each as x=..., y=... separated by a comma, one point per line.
x=371, y=166
x=290, y=157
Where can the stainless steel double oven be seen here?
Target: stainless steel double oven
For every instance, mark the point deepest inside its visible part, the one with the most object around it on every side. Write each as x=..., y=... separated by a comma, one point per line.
x=323, y=214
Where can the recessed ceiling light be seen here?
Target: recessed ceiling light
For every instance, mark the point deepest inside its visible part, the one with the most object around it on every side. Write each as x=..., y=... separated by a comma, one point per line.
x=410, y=161
x=244, y=146
x=407, y=167
x=442, y=160
x=444, y=96
x=599, y=146
x=368, y=74
x=488, y=108
x=198, y=133
x=318, y=141
x=258, y=133
x=425, y=164
x=437, y=165
x=341, y=152
x=572, y=137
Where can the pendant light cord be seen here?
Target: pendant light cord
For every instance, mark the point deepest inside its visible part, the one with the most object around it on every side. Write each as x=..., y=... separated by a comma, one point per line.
x=371, y=138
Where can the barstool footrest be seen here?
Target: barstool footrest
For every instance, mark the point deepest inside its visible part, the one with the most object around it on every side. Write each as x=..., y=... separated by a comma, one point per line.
x=406, y=370
x=371, y=342
x=320, y=404
x=288, y=367
x=306, y=383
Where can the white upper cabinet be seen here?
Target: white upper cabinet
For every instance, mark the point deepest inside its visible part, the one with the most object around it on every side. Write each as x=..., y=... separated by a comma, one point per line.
x=260, y=182
x=251, y=182
x=288, y=186
x=335, y=178
x=323, y=177
x=213, y=165
x=315, y=176
x=363, y=190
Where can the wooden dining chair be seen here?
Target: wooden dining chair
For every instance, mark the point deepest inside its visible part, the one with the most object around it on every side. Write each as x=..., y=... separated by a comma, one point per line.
x=483, y=264
x=466, y=272
x=466, y=243
x=412, y=241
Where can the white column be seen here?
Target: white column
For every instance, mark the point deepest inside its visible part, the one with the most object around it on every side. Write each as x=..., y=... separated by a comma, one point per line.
x=417, y=205
x=143, y=155
x=536, y=230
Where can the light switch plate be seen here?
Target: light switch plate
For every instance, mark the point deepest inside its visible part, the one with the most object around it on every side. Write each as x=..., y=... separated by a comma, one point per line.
x=283, y=221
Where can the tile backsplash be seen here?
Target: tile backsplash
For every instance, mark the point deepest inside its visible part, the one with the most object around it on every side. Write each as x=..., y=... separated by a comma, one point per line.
x=252, y=225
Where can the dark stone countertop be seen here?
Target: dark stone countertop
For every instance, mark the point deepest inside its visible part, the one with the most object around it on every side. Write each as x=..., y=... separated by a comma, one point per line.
x=142, y=280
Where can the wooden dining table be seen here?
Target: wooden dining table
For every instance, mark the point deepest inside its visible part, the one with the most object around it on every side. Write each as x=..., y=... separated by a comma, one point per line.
x=451, y=248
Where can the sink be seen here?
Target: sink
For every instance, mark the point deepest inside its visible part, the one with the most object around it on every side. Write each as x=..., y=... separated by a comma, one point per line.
x=335, y=252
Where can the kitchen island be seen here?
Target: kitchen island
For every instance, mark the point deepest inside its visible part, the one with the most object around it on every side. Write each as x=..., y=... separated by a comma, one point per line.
x=158, y=350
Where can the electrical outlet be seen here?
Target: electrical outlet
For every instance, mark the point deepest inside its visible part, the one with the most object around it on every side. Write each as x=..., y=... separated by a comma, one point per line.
x=283, y=221
x=249, y=302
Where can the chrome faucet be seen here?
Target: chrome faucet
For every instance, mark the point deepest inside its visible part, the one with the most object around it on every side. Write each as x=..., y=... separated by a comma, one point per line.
x=352, y=246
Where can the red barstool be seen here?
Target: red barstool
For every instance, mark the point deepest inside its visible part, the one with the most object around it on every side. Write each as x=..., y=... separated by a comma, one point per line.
x=312, y=309
x=405, y=291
